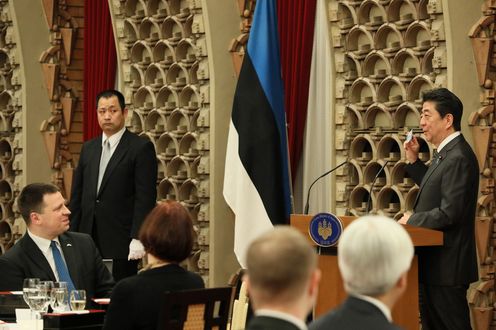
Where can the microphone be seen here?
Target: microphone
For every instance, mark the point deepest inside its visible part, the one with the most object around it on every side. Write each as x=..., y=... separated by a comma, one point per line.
x=372, y=186
x=307, y=205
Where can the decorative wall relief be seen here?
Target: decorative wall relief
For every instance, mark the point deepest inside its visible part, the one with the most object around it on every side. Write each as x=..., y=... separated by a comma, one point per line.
x=482, y=123
x=62, y=90
x=11, y=131
x=385, y=54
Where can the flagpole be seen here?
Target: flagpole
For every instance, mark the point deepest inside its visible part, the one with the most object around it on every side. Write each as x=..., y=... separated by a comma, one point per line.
x=290, y=183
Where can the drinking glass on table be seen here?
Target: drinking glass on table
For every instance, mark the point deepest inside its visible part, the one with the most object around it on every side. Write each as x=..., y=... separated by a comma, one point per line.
x=40, y=299
x=28, y=288
x=60, y=297
x=78, y=300
x=48, y=286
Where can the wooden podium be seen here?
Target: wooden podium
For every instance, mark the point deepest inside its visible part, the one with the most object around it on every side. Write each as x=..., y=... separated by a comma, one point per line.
x=331, y=290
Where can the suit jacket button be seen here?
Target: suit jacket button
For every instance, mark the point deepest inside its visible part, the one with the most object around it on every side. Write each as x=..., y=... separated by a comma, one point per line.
x=98, y=201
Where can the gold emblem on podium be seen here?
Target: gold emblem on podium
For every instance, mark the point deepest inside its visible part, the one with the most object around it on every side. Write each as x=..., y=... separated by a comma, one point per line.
x=325, y=229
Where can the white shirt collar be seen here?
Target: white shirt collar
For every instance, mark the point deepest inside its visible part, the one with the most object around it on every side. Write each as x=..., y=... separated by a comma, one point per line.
x=283, y=316
x=379, y=304
x=42, y=243
x=114, y=138
x=447, y=140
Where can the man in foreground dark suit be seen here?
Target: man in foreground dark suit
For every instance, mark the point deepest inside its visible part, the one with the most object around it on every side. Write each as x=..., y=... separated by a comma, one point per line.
x=114, y=187
x=375, y=254
x=282, y=279
x=47, y=218
x=446, y=201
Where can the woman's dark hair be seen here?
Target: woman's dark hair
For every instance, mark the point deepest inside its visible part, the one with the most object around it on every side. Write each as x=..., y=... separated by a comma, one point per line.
x=167, y=232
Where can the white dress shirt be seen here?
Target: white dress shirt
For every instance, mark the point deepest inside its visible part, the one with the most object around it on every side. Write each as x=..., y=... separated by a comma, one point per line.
x=114, y=140
x=44, y=245
x=447, y=140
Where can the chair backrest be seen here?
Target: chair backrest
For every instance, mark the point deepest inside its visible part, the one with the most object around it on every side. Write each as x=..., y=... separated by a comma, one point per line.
x=196, y=309
x=240, y=310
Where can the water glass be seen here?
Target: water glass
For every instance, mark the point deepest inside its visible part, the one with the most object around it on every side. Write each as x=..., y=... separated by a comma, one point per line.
x=78, y=300
x=60, y=297
x=48, y=286
x=40, y=299
x=28, y=289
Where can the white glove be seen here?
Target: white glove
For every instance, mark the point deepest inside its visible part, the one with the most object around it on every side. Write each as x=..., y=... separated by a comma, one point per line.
x=136, y=250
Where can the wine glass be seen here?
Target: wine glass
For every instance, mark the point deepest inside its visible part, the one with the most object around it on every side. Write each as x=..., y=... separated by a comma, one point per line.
x=48, y=286
x=78, y=300
x=28, y=290
x=40, y=299
x=60, y=297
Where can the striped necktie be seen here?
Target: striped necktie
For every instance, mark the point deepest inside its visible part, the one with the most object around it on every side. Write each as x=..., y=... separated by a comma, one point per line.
x=62, y=270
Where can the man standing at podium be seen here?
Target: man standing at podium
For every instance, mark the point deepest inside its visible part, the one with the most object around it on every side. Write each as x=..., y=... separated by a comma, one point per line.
x=446, y=201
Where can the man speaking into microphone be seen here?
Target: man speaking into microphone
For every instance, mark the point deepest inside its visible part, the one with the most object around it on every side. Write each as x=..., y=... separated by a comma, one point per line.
x=446, y=201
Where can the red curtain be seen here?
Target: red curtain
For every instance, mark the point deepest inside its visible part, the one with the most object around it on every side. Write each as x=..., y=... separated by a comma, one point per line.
x=296, y=27
x=100, y=61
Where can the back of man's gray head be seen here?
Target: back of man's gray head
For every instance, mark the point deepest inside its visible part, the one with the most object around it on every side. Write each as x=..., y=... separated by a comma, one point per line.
x=279, y=263
x=374, y=251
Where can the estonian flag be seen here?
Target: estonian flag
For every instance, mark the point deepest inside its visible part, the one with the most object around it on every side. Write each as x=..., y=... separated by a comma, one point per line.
x=256, y=182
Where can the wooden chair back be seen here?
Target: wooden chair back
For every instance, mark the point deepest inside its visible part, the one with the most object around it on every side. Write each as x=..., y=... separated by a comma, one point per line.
x=196, y=309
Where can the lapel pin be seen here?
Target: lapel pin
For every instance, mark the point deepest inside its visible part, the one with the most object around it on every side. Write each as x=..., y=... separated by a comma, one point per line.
x=68, y=244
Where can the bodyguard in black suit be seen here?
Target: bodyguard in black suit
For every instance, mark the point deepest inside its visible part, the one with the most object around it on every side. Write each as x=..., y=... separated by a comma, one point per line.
x=446, y=201
x=43, y=208
x=282, y=279
x=375, y=254
x=110, y=202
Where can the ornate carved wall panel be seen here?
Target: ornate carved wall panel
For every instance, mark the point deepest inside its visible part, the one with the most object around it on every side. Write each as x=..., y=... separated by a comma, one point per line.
x=62, y=67
x=11, y=130
x=386, y=54
x=482, y=123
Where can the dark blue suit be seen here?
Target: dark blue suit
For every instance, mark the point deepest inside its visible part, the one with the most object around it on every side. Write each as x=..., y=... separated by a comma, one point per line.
x=269, y=323
x=354, y=314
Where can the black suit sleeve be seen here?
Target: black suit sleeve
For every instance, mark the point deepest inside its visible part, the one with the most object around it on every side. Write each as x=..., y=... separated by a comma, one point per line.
x=11, y=276
x=145, y=183
x=417, y=171
x=77, y=193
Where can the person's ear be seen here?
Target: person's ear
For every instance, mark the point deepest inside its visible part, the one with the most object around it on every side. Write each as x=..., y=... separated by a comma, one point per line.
x=314, y=282
x=402, y=282
x=449, y=120
x=34, y=217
